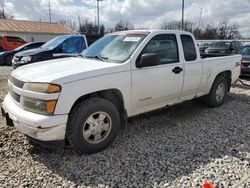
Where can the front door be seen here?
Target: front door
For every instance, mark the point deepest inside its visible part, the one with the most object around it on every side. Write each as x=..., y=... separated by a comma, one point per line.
x=156, y=86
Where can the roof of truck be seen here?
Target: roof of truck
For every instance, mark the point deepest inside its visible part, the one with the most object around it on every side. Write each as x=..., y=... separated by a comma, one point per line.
x=155, y=31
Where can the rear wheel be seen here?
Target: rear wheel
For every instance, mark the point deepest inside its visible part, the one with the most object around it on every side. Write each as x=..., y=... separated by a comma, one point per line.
x=8, y=60
x=92, y=126
x=218, y=92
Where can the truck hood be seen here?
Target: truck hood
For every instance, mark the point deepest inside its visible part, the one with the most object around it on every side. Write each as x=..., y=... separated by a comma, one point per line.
x=65, y=70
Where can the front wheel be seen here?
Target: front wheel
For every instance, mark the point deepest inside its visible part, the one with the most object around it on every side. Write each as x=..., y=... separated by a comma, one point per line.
x=218, y=92
x=8, y=60
x=92, y=126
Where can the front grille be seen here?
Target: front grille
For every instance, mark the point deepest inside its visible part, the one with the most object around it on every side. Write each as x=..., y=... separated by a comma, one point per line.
x=16, y=82
x=15, y=96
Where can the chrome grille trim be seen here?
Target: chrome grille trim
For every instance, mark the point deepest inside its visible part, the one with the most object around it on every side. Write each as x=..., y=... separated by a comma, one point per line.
x=15, y=96
x=16, y=82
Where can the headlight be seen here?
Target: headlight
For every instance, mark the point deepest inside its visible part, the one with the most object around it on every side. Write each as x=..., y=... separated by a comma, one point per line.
x=39, y=106
x=206, y=51
x=26, y=59
x=42, y=87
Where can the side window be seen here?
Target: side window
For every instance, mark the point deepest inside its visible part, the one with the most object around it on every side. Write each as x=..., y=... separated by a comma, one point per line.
x=74, y=45
x=188, y=48
x=165, y=46
x=14, y=39
x=30, y=46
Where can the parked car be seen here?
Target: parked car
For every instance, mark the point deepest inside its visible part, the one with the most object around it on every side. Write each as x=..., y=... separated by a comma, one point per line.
x=86, y=99
x=245, y=68
x=203, y=47
x=222, y=48
x=91, y=38
x=7, y=56
x=10, y=42
x=59, y=47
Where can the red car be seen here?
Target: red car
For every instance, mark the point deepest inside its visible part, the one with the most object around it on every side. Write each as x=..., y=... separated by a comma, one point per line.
x=10, y=42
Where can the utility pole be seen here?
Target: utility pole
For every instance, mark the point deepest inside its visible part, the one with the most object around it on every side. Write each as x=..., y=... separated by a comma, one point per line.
x=199, y=23
x=182, y=18
x=200, y=18
x=3, y=14
x=49, y=12
x=79, y=21
x=98, y=21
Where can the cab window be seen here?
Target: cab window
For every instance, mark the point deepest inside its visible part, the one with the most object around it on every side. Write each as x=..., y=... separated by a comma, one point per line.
x=165, y=46
x=188, y=48
x=14, y=39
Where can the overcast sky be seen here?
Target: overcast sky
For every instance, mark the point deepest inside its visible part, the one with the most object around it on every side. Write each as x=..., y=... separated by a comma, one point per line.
x=141, y=13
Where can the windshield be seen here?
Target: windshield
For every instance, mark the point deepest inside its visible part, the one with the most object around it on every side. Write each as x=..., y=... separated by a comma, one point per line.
x=245, y=50
x=220, y=44
x=54, y=42
x=115, y=47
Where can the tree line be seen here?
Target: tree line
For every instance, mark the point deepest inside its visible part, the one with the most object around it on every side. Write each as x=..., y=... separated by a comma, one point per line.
x=223, y=30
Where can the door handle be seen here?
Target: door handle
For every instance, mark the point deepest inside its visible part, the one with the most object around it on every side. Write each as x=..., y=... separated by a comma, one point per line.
x=177, y=70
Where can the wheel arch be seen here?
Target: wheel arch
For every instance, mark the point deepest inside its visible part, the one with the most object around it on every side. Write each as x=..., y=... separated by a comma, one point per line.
x=113, y=95
x=228, y=76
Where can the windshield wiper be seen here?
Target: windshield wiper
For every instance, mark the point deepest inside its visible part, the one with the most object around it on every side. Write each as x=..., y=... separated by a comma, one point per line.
x=98, y=57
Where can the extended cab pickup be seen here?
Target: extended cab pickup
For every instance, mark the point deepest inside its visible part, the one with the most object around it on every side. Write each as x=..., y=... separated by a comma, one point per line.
x=85, y=100
x=10, y=42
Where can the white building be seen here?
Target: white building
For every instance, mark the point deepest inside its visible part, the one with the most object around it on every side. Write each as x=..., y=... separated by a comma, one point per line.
x=33, y=31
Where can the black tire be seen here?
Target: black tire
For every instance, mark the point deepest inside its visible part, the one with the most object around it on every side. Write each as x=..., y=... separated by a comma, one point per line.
x=77, y=123
x=8, y=60
x=214, y=99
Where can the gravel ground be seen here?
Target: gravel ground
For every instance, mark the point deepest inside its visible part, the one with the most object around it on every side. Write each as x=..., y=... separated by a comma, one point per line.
x=181, y=146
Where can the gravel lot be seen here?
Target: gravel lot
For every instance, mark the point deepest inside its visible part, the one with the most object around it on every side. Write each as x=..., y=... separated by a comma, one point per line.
x=181, y=146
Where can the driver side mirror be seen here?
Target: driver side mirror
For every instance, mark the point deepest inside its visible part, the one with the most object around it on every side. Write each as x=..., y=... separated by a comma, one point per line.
x=147, y=60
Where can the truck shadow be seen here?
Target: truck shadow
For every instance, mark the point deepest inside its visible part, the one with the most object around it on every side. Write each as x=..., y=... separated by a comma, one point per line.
x=159, y=146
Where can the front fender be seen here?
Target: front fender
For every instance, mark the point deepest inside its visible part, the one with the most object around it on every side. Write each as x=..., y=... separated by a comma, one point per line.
x=72, y=91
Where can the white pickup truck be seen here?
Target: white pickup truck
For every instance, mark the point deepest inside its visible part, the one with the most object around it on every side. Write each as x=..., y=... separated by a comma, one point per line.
x=85, y=100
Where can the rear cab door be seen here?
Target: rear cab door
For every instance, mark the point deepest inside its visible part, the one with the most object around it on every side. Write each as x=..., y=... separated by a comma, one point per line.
x=193, y=67
x=156, y=86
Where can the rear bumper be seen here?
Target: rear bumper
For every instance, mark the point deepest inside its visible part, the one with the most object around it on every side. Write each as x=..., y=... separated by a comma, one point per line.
x=40, y=127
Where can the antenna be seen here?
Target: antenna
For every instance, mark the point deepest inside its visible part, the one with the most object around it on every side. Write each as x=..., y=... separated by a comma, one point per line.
x=49, y=12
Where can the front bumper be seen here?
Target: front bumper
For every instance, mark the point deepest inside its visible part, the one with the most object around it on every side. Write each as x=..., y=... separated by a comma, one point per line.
x=40, y=127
